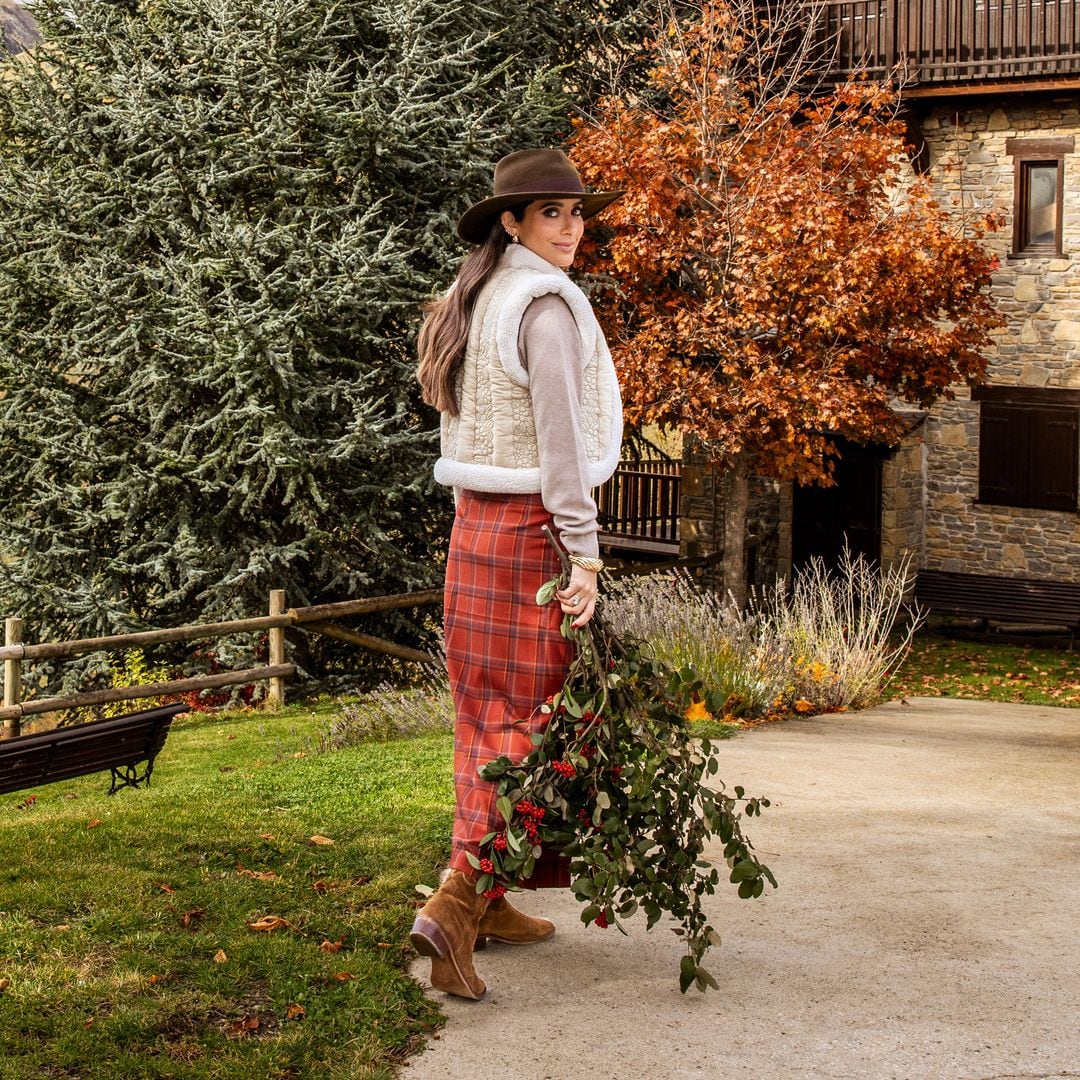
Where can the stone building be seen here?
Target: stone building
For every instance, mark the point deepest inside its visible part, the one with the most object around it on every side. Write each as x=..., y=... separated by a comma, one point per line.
x=986, y=482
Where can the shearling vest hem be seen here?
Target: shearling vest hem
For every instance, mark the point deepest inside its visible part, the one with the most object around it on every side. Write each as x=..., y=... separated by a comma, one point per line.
x=499, y=480
x=491, y=445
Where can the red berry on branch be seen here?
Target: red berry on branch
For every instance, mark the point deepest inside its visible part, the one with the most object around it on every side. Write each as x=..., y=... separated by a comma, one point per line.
x=487, y=866
x=601, y=921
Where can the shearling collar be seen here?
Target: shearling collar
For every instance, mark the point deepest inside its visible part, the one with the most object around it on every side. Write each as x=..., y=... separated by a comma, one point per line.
x=519, y=257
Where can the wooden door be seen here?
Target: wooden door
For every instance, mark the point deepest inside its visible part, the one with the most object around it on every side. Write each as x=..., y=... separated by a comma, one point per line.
x=823, y=518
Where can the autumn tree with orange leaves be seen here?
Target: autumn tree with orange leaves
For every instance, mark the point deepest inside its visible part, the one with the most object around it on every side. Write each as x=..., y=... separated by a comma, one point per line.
x=782, y=276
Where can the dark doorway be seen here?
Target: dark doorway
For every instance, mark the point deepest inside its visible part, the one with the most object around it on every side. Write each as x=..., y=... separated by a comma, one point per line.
x=823, y=518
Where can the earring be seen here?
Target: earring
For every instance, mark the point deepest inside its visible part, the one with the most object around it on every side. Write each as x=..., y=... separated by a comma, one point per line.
x=514, y=238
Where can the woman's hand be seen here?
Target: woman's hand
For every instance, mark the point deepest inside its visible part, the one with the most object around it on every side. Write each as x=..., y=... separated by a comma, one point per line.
x=579, y=596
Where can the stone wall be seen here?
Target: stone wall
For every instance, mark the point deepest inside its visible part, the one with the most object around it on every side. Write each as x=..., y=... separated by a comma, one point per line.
x=702, y=516
x=1040, y=296
x=1038, y=347
x=903, y=498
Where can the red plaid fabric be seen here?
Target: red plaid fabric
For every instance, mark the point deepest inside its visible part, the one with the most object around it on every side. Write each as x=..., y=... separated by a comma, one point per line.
x=504, y=653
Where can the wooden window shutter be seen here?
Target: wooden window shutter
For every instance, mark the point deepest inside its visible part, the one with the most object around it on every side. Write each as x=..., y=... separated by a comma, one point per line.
x=1054, y=458
x=1003, y=441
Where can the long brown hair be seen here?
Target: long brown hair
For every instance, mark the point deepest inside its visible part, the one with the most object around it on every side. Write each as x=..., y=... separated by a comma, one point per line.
x=445, y=331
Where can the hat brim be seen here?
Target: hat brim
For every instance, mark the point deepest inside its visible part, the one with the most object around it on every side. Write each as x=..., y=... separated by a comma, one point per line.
x=475, y=224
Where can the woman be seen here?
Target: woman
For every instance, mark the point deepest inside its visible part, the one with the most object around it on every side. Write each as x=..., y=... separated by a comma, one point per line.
x=513, y=358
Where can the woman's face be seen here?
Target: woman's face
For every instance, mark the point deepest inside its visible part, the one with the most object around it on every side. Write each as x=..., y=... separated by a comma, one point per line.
x=551, y=228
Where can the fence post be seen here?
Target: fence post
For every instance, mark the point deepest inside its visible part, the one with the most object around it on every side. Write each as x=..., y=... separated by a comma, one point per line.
x=276, y=696
x=12, y=676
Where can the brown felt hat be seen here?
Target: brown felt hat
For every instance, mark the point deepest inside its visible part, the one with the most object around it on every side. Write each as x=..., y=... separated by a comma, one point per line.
x=524, y=177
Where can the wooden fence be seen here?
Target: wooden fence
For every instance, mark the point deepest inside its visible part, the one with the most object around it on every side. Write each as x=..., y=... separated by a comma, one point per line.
x=639, y=506
x=944, y=41
x=318, y=619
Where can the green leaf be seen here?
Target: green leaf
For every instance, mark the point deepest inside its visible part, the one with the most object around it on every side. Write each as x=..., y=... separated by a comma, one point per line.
x=687, y=972
x=546, y=591
x=583, y=888
x=743, y=871
x=474, y=862
x=506, y=810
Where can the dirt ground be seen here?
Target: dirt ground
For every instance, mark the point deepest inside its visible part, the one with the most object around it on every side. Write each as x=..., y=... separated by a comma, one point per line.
x=927, y=922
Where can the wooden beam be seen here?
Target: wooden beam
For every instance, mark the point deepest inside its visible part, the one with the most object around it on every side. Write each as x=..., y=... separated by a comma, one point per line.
x=144, y=637
x=345, y=608
x=132, y=693
x=368, y=641
x=1027, y=395
x=1000, y=86
x=276, y=693
x=12, y=676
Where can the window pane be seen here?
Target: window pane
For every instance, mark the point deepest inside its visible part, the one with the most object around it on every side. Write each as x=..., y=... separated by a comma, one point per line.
x=1040, y=213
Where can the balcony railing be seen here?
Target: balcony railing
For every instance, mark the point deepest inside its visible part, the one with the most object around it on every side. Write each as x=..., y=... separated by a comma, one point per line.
x=948, y=41
x=639, y=507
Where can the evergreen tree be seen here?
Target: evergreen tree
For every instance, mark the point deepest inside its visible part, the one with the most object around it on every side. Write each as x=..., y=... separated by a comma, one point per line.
x=217, y=222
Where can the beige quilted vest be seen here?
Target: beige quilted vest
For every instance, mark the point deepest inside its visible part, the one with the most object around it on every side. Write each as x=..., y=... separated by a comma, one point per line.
x=491, y=444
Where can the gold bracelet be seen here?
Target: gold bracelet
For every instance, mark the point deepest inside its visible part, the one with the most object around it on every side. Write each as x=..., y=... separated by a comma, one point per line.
x=587, y=563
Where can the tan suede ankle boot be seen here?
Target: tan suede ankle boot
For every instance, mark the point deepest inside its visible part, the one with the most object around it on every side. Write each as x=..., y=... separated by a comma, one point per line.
x=503, y=922
x=445, y=930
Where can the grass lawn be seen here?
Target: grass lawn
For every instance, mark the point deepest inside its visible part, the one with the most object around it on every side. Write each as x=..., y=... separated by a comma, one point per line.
x=940, y=666
x=126, y=947
x=125, y=942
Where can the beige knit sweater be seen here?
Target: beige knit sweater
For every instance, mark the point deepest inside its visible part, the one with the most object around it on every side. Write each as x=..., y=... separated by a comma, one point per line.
x=539, y=401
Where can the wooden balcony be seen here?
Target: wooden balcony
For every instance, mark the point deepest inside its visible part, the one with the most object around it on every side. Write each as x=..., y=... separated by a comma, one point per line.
x=639, y=507
x=957, y=46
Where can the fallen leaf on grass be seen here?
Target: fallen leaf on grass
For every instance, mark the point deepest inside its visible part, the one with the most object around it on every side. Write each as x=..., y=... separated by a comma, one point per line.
x=242, y=1026
x=62, y=926
x=28, y=802
x=344, y=976
x=166, y=888
x=322, y=887
x=269, y=923
x=4, y=984
x=94, y=822
x=191, y=916
x=329, y=946
x=267, y=836
x=321, y=841
x=383, y=945
x=256, y=875
x=221, y=957
x=296, y=1012
x=153, y=980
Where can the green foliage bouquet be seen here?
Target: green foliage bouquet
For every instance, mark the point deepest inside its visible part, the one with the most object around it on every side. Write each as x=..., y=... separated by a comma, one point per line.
x=617, y=784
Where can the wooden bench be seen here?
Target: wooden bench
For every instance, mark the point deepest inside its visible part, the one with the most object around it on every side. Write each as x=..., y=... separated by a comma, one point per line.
x=121, y=745
x=1014, y=604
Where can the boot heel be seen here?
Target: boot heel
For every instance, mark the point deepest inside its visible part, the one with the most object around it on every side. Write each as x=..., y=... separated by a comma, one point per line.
x=428, y=939
x=480, y=944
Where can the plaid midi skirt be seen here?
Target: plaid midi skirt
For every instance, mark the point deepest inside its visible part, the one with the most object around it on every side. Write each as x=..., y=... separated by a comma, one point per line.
x=504, y=654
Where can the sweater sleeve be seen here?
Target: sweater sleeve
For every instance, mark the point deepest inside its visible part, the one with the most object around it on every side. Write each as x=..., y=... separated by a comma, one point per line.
x=550, y=350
